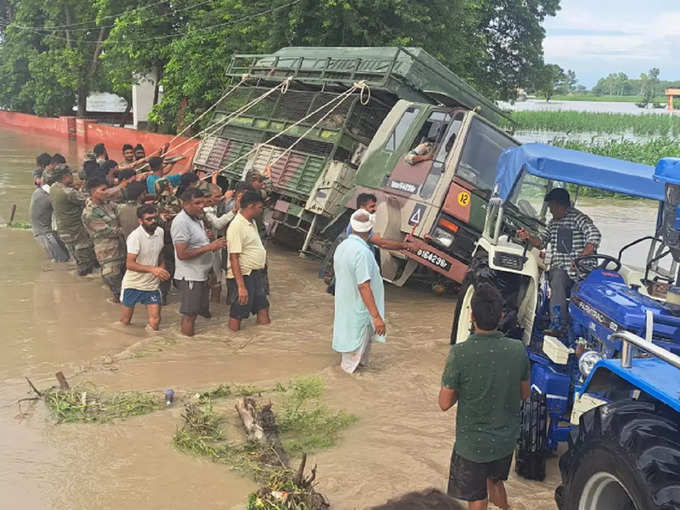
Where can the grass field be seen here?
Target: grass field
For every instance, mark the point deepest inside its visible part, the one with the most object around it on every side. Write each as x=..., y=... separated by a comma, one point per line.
x=609, y=99
x=648, y=153
x=572, y=121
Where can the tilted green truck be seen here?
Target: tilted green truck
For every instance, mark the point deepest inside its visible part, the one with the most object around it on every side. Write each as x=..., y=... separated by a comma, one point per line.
x=342, y=124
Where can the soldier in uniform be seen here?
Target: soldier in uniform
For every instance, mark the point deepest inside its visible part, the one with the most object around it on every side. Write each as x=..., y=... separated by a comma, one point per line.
x=100, y=218
x=68, y=203
x=168, y=206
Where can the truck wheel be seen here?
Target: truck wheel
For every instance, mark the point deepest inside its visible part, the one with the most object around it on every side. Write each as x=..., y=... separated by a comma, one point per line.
x=531, y=450
x=624, y=456
x=462, y=323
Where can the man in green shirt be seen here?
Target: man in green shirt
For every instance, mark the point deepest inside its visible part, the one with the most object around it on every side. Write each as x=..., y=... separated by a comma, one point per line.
x=488, y=375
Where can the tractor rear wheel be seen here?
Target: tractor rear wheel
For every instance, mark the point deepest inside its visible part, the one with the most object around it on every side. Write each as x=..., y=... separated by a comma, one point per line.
x=531, y=448
x=624, y=456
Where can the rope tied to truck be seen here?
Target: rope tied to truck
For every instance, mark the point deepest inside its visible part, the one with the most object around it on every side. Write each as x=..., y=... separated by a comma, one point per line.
x=244, y=78
x=339, y=99
x=283, y=87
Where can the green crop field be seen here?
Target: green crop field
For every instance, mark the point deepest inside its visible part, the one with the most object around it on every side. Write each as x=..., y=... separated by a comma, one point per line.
x=648, y=153
x=608, y=99
x=568, y=121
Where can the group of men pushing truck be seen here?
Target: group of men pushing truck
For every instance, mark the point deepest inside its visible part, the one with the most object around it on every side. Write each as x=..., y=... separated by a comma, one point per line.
x=142, y=226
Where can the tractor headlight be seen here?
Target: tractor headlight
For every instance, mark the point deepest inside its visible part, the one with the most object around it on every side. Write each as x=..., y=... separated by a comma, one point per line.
x=441, y=236
x=587, y=361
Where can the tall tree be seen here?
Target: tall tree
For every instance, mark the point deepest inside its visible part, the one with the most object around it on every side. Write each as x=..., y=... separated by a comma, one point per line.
x=59, y=42
x=547, y=80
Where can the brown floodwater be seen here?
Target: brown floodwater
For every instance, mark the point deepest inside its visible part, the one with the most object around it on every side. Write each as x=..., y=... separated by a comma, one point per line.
x=53, y=320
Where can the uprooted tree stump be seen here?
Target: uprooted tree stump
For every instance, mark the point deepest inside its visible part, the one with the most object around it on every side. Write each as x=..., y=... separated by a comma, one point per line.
x=286, y=489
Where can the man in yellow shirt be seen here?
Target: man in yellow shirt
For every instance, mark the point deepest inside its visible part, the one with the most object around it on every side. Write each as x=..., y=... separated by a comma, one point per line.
x=247, y=282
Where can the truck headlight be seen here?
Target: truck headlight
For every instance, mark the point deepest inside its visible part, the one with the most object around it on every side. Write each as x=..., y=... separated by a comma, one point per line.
x=587, y=361
x=441, y=236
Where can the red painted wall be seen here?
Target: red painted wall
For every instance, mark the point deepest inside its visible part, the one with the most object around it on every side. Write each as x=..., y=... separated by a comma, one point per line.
x=89, y=133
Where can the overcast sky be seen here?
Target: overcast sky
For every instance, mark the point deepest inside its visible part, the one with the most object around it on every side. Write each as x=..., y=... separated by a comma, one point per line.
x=598, y=37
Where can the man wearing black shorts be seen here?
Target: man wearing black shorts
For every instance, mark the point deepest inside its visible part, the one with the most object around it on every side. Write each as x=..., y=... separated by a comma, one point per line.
x=247, y=283
x=193, y=259
x=488, y=375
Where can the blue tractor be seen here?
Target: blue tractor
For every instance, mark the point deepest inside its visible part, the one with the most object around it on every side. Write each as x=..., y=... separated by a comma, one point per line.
x=610, y=385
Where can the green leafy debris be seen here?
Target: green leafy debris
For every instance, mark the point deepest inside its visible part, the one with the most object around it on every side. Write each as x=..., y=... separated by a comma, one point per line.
x=86, y=403
x=305, y=424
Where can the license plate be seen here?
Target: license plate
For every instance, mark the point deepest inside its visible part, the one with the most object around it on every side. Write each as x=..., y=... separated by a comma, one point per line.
x=434, y=259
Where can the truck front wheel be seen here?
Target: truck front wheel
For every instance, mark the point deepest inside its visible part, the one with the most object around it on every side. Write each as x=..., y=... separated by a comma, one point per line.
x=624, y=456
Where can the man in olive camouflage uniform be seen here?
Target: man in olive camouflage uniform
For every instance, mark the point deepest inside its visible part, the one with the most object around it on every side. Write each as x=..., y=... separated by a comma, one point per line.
x=100, y=218
x=168, y=206
x=68, y=203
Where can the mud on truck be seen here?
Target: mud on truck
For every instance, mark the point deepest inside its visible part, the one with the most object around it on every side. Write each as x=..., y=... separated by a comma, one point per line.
x=343, y=124
x=610, y=386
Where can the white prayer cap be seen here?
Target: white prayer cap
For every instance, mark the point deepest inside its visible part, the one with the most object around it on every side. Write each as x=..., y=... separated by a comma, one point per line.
x=362, y=221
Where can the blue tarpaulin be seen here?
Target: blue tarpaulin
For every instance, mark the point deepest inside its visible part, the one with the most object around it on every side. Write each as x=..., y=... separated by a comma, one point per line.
x=578, y=168
x=668, y=170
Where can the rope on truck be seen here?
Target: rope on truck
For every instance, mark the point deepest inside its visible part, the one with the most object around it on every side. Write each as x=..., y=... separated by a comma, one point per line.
x=339, y=99
x=243, y=80
x=283, y=86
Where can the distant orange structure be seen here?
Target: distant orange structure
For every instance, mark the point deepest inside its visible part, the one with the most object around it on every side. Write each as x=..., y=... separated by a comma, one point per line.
x=671, y=93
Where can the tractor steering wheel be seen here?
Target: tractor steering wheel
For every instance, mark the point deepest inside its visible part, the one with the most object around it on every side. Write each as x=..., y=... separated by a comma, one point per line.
x=606, y=260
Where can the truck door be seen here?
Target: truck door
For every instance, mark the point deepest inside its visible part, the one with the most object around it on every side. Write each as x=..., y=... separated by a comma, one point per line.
x=407, y=177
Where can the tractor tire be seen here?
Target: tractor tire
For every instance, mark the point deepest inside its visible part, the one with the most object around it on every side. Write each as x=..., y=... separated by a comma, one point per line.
x=531, y=452
x=624, y=456
x=464, y=296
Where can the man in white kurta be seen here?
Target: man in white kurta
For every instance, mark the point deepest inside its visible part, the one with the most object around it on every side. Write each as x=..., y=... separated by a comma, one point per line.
x=359, y=295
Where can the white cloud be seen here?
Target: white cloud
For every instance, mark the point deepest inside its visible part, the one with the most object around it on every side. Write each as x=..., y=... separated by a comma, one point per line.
x=595, y=40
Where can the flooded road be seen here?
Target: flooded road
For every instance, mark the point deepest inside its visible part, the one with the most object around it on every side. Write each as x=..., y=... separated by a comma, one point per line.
x=53, y=320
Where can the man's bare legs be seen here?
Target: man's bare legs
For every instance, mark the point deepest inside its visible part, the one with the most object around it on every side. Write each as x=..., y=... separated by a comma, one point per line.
x=263, y=317
x=481, y=504
x=153, y=313
x=188, y=322
x=497, y=494
x=234, y=324
x=126, y=315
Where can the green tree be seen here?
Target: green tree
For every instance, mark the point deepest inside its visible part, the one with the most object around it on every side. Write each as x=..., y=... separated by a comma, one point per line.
x=548, y=80
x=503, y=40
x=493, y=44
x=53, y=51
x=55, y=45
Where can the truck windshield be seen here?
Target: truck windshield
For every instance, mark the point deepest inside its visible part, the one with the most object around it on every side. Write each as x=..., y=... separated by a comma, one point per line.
x=483, y=147
x=527, y=196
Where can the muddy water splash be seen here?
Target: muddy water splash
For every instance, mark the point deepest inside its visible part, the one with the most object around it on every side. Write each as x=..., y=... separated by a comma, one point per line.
x=53, y=320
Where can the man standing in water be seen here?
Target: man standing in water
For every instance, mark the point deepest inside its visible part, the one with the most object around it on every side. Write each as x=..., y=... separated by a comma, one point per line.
x=193, y=259
x=247, y=283
x=145, y=268
x=359, y=295
x=100, y=217
x=488, y=376
x=68, y=204
x=40, y=212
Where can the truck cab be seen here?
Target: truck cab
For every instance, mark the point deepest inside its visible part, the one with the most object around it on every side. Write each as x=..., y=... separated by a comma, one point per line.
x=439, y=202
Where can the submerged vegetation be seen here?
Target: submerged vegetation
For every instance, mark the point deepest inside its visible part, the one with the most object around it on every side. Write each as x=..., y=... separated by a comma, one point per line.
x=86, y=403
x=304, y=422
x=649, y=124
